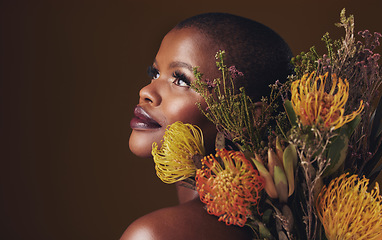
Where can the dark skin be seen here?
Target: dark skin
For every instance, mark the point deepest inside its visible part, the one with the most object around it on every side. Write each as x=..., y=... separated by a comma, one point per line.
x=168, y=98
x=188, y=220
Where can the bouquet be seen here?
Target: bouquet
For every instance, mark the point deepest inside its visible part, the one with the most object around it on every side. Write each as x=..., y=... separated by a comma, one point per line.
x=302, y=172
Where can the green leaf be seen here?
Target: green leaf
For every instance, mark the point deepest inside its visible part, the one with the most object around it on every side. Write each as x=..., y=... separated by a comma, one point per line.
x=264, y=232
x=337, y=152
x=351, y=126
x=290, y=112
x=376, y=127
x=374, y=174
x=371, y=168
x=267, y=215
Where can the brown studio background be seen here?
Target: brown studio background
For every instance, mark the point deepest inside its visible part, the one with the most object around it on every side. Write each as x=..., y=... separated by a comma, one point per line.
x=70, y=72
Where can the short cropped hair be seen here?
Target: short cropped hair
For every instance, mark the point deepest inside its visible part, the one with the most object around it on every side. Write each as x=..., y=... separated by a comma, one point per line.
x=253, y=48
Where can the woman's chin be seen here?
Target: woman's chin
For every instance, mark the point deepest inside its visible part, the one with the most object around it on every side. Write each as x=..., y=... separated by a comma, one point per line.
x=139, y=145
x=141, y=154
x=140, y=151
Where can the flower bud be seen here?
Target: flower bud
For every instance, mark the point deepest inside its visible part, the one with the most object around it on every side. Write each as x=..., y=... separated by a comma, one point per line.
x=269, y=187
x=290, y=163
x=279, y=149
x=273, y=161
x=281, y=183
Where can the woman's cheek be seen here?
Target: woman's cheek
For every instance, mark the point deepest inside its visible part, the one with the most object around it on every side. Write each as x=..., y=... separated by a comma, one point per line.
x=185, y=111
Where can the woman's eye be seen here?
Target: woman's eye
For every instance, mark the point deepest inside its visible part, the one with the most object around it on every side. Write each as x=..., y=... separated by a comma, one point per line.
x=181, y=83
x=153, y=72
x=181, y=80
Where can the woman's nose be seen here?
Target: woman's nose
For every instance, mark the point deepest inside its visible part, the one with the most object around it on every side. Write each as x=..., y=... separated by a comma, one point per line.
x=150, y=94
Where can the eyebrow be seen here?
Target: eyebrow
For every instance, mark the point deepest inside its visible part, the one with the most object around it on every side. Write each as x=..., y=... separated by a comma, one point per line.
x=177, y=64
x=181, y=65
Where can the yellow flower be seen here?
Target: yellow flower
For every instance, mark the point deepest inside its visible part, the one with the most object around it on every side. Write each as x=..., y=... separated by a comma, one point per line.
x=348, y=211
x=174, y=160
x=314, y=106
x=229, y=186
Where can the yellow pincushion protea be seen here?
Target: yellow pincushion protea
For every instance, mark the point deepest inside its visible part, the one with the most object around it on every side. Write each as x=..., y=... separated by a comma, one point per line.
x=174, y=160
x=347, y=211
x=314, y=106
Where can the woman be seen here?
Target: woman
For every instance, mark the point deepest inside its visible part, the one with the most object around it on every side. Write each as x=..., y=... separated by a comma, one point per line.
x=255, y=50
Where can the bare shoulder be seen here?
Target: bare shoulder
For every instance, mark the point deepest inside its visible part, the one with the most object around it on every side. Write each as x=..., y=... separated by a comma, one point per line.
x=186, y=221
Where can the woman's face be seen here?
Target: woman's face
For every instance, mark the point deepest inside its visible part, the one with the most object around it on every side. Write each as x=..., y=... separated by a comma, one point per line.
x=169, y=98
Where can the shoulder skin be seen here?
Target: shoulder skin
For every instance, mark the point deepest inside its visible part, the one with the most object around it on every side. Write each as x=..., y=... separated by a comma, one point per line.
x=186, y=221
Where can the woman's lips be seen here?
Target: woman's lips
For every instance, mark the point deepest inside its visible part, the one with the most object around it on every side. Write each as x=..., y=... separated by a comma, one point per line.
x=142, y=120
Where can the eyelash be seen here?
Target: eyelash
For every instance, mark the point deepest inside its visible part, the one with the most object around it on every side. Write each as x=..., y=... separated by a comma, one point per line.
x=181, y=77
x=154, y=74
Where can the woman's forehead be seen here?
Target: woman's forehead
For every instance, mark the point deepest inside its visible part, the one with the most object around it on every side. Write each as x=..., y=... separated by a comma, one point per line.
x=190, y=46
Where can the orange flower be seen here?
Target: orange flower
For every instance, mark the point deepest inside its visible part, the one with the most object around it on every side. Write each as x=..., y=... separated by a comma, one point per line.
x=228, y=186
x=314, y=106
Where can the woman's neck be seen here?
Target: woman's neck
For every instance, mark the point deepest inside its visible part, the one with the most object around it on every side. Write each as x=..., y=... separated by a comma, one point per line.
x=185, y=194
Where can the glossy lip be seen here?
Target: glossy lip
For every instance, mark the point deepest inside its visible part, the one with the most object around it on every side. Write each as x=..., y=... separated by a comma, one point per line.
x=142, y=120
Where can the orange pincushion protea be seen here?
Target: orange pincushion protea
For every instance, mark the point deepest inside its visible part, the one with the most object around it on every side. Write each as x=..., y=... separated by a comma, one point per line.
x=230, y=188
x=314, y=106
